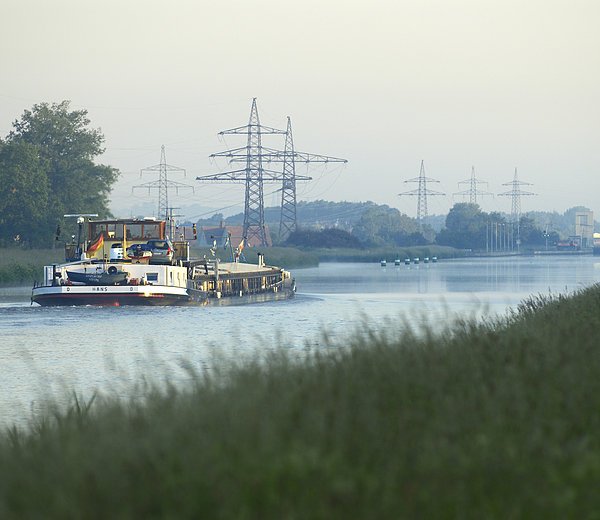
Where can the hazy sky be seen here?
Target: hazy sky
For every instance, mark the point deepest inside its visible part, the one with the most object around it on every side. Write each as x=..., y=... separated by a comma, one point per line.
x=494, y=84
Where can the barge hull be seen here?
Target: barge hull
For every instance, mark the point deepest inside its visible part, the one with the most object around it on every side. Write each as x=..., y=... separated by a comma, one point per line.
x=112, y=297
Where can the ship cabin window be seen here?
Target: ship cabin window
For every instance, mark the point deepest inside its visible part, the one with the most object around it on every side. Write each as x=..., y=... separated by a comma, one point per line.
x=152, y=277
x=134, y=232
x=151, y=230
x=107, y=229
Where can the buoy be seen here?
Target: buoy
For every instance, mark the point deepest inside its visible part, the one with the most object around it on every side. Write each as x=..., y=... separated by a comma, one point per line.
x=416, y=260
x=383, y=263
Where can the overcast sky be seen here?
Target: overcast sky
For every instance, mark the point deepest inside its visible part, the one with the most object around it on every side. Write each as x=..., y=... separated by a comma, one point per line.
x=494, y=84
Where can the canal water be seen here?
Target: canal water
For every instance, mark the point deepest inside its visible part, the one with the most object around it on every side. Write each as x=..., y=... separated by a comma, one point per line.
x=48, y=353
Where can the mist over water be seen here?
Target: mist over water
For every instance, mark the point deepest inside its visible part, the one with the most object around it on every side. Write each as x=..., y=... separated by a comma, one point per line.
x=48, y=353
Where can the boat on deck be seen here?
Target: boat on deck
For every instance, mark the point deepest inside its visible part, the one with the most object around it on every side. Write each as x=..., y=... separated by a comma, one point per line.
x=105, y=274
x=98, y=275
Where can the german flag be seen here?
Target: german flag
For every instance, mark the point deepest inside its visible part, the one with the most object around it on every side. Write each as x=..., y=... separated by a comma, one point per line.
x=96, y=244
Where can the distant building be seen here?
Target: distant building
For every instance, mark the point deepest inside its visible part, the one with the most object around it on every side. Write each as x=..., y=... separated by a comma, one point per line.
x=584, y=228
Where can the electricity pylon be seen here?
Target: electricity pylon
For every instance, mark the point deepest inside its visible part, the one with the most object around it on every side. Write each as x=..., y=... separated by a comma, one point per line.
x=163, y=183
x=288, y=222
x=254, y=175
x=421, y=193
x=516, y=193
x=473, y=191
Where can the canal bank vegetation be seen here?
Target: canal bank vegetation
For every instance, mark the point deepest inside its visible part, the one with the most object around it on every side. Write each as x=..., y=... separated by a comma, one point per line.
x=486, y=419
x=20, y=266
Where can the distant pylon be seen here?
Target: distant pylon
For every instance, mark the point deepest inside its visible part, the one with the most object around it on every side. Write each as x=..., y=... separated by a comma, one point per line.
x=473, y=191
x=253, y=175
x=421, y=193
x=516, y=193
x=254, y=155
x=163, y=183
x=515, y=214
x=287, y=222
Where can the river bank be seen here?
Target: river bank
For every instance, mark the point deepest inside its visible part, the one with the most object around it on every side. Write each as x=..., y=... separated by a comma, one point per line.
x=23, y=267
x=494, y=418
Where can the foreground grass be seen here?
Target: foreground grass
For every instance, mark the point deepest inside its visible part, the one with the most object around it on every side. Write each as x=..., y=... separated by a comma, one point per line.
x=488, y=420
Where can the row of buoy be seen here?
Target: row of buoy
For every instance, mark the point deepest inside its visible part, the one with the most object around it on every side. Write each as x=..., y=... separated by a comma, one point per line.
x=408, y=261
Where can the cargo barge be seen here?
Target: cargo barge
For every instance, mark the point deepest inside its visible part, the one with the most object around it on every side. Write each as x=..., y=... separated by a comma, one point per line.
x=118, y=268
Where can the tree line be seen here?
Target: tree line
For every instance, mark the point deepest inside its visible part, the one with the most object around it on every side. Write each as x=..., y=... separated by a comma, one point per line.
x=467, y=226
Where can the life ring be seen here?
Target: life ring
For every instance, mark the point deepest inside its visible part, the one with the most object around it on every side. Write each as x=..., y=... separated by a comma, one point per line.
x=112, y=270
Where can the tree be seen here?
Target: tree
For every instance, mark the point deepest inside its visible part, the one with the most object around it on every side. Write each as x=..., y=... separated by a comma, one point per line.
x=24, y=189
x=465, y=227
x=66, y=149
x=382, y=225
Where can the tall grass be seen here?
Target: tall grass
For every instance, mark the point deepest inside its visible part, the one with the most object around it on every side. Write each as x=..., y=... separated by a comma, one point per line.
x=496, y=419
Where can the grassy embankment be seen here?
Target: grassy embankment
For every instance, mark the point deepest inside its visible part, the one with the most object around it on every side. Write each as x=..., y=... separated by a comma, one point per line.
x=486, y=420
x=23, y=266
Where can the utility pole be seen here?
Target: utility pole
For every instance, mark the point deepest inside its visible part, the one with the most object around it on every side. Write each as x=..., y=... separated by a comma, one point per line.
x=421, y=193
x=516, y=193
x=163, y=183
x=254, y=175
x=473, y=191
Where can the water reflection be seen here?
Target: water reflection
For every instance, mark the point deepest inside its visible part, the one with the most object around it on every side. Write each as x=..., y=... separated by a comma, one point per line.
x=46, y=352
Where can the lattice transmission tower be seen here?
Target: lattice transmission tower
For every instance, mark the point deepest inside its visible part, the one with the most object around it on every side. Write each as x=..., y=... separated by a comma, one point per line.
x=255, y=175
x=473, y=191
x=516, y=193
x=163, y=183
x=422, y=192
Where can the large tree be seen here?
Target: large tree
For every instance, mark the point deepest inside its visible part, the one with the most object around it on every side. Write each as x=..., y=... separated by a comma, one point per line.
x=66, y=149
x=24, y=189
x=465, y=227
x=382, y=225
